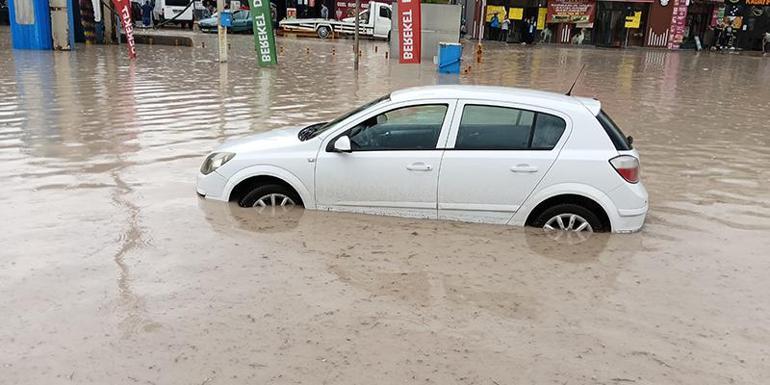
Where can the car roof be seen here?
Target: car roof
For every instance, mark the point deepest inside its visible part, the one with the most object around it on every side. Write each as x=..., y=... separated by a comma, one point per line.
x=494, y=93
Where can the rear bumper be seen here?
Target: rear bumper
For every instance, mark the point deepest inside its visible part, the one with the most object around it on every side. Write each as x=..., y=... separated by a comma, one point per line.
x=631, y=201
x=626, y=223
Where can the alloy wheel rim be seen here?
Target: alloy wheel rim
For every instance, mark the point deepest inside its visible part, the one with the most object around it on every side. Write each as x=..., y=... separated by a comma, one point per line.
x=568, y=222
x=274, y=202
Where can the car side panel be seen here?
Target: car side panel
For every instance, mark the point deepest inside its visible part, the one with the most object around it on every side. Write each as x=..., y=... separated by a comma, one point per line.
x=284, y=174
x=582, y=168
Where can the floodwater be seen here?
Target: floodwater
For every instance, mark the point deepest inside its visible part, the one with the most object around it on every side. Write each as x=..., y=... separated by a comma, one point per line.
x=113, y=271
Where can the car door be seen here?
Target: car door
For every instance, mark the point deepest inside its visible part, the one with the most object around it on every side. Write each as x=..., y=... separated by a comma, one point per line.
x=496, y=155
x=393, y=165
x=382, y=21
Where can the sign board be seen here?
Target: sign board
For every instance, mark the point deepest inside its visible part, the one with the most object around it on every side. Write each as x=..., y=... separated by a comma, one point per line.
x=542, y=14
x=123, y=8
x=516, y=13
x=409, y=31
x=493, y=10
x=264, y=38
x=571, y=11
x=634, y=21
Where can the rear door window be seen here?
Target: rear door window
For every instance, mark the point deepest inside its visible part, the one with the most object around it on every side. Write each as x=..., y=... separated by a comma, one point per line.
x=506, y=128
x=548, y=131
x=613, y=131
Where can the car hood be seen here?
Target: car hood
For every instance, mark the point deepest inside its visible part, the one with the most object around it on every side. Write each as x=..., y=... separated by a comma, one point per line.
x=270, y=140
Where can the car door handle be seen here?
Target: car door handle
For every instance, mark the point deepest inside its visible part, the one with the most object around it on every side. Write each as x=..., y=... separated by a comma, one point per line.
x=523, y=168
x=419, y=166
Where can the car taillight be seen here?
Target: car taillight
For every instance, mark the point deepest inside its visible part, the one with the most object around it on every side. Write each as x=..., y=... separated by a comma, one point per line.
x=627, y=166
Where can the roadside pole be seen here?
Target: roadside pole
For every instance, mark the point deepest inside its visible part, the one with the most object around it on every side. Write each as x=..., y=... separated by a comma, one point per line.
x=221, y=32
x=355, y=54
x=482, y=19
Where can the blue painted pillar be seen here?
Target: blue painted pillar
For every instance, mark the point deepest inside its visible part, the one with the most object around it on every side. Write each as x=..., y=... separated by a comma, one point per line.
x=30, y=24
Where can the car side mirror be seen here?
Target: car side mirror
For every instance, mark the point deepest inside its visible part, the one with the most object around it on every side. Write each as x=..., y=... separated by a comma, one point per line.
x=342, y=144
x=630, y=140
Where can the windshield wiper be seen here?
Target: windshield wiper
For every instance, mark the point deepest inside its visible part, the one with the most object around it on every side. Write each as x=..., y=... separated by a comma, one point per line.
x=307, y=132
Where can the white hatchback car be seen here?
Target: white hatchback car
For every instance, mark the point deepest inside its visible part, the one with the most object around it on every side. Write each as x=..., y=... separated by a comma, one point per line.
x=470, y=153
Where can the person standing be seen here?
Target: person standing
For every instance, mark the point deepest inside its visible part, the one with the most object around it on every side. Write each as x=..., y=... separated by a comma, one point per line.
x=324, y=12
x=504, y=30
x=766, y=43
x=531, y=30
x=494, y=27
x=147, y=14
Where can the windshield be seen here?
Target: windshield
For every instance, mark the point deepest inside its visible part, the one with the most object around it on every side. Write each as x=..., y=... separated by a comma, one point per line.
x=318, y=130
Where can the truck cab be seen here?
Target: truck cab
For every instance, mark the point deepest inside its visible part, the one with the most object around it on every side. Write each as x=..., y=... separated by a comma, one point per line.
x=167, y=9
x=379, y=23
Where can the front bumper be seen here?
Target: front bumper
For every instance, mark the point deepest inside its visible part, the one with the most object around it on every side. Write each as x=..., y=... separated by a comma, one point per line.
x=211, y=186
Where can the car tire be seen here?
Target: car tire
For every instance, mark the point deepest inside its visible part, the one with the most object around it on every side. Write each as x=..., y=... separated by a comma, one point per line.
x=324, y=32
x=567, y=209
x=251, y=199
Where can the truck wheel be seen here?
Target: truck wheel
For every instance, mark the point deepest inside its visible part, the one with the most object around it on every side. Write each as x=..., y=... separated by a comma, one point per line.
x=324, y=32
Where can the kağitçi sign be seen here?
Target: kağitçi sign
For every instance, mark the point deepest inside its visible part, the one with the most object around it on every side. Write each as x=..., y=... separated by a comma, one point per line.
x=571, y=11
x=264, y=39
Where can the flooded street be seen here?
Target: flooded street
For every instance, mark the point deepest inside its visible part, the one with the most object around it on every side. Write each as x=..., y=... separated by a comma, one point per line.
x=113, y=271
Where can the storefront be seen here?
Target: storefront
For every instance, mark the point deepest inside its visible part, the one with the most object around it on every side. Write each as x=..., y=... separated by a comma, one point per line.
x=700, y=16
x=754, y=17
x=520, y=14
x=571, y=21
x=621, y=24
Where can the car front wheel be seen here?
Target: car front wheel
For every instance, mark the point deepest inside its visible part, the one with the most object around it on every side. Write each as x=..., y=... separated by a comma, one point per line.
x=271, y=196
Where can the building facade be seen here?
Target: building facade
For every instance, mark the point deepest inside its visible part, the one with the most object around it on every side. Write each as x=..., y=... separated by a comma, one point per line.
x=669, y=24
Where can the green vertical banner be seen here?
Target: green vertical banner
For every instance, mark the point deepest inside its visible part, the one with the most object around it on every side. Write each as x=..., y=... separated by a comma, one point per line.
x=264, y=38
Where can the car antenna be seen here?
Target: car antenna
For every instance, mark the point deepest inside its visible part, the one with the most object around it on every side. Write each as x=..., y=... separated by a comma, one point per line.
x=569, y=93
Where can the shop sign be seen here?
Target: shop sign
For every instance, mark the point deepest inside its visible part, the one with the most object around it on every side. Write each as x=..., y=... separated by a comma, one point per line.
x=635, y=20
x=409, y=31
x=542, y=13
x=264, y=38
x=758, y=2
x=516, y=13
x=123, y=8
x=571, y=11
x=493, y=10
x=678, y=22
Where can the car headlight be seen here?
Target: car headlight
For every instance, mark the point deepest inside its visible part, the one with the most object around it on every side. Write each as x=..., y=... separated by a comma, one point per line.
x=215, y=161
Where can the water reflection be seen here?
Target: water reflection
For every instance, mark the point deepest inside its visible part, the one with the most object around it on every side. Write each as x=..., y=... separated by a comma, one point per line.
x=450, y=265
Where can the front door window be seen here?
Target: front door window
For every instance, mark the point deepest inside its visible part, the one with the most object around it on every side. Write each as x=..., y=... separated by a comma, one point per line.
x=407, y=128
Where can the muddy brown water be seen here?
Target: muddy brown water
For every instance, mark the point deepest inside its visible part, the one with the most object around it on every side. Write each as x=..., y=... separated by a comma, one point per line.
x=112, y=270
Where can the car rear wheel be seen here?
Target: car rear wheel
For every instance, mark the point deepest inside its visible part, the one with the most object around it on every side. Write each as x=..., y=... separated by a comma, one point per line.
x=569, y=217
x=324, y=32
x=271, y=197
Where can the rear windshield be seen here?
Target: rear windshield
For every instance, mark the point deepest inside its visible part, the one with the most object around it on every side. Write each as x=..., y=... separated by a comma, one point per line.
x=613, y=131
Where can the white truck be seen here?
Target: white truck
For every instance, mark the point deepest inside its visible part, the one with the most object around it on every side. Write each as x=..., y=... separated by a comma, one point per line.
x=167, y=9
x=374, y=22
